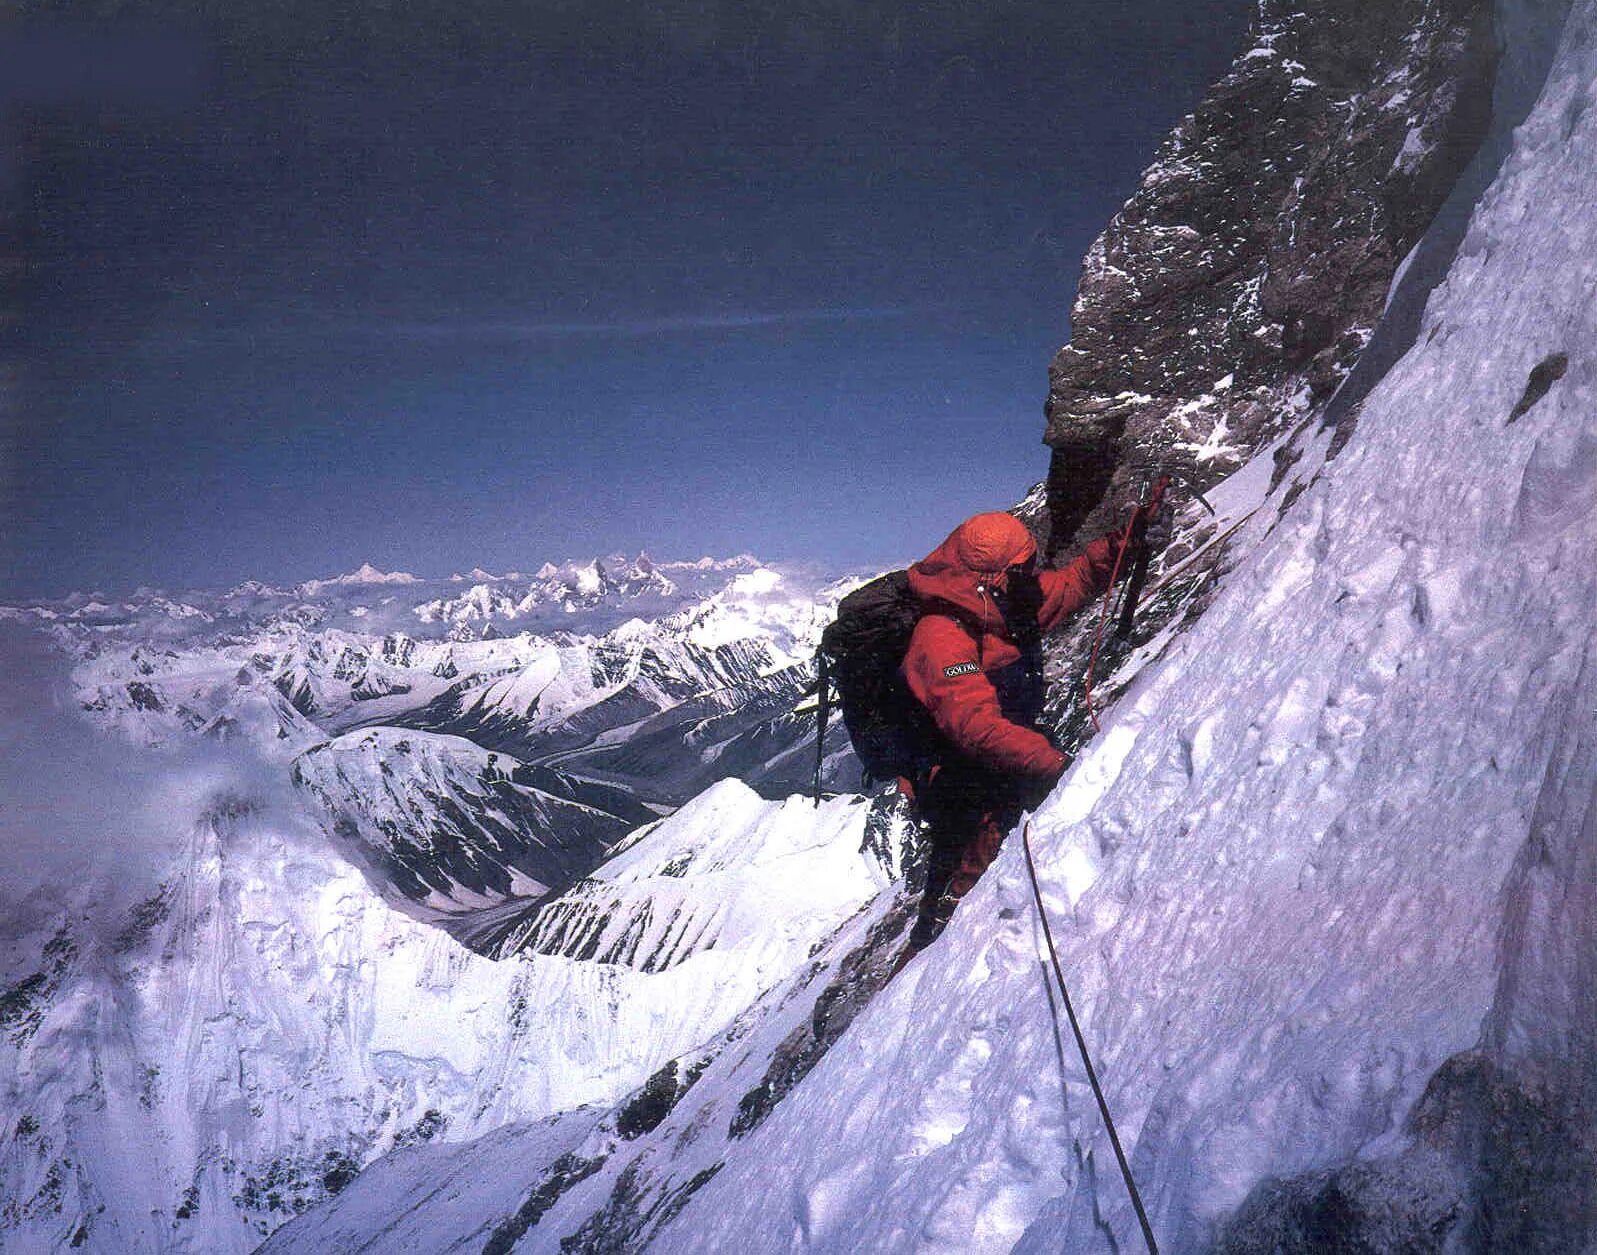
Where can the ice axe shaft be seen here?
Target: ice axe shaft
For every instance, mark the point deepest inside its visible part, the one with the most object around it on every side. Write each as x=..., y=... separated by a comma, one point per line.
x=1139, y=568
x=1128, y=604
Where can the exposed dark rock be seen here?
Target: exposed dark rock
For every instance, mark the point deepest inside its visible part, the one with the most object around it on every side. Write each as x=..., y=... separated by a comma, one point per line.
x=568, y=1170
x=143, y=919
x=23, y=1004
x=143, y=696
x=643, y=1112
x=626, y=1222
x=1496, y=1164
x=859, y=978
x=1543, y=376
x=1364, y=1209
x=432, y=1123
x=1237, y=287
x=292, y=1184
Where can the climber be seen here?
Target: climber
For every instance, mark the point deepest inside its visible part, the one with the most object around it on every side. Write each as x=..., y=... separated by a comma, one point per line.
x=975, y=663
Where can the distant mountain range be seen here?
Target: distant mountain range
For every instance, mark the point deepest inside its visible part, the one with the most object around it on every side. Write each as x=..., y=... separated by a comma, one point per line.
x=475, y=743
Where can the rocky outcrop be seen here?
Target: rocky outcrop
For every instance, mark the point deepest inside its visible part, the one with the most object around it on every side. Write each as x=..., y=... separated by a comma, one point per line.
x=1235, y=290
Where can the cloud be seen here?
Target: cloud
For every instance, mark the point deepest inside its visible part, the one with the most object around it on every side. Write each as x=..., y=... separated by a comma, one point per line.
x=511, y=331
x=632, y=326
x=81, y=807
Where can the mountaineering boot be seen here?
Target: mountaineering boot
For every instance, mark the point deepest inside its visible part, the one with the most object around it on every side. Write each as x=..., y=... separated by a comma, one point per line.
x=930, y=922
x=947, y=885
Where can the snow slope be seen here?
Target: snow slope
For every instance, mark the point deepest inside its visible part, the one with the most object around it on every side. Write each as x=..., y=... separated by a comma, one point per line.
x=243, y=1042
x=1326, y=867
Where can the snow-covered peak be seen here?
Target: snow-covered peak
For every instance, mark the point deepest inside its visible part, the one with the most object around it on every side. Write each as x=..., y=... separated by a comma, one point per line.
x=255, y=588
x=741, y=562
x=590, y=591
x=590, y=595
x=366, y=573
x=239, y=1046
x=755, y=584
x=764, y=604
x=589, y=580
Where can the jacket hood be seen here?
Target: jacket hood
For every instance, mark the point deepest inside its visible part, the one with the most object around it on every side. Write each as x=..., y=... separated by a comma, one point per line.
x=975, y=554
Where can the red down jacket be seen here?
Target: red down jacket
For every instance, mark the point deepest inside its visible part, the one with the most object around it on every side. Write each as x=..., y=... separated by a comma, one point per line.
x=962, y=638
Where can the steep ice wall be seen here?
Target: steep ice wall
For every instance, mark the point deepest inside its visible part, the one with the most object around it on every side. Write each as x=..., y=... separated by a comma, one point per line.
x=1322, y=884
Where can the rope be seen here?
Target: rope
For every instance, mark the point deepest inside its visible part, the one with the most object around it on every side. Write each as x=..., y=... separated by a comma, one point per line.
x=1081, y=1044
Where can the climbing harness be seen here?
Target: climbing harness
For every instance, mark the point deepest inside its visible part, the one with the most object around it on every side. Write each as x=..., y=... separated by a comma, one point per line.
x=1081, y=1044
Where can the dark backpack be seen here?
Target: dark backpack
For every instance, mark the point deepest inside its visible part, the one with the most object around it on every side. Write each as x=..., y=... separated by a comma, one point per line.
x=861, y=654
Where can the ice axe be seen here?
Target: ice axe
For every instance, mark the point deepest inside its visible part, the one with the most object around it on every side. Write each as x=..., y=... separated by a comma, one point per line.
x=1139, y=565
x=1134, y=583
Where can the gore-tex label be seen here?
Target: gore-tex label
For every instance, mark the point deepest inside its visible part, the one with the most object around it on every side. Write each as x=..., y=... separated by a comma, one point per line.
x=961, y=668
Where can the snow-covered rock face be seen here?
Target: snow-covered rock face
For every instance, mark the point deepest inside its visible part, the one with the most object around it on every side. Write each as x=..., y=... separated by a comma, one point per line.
x=652, y=906
x=452, y=828
x=1238, y=286
x=239, y=1045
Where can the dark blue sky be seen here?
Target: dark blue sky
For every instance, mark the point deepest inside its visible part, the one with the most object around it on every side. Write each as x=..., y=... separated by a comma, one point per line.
x=511, y=282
